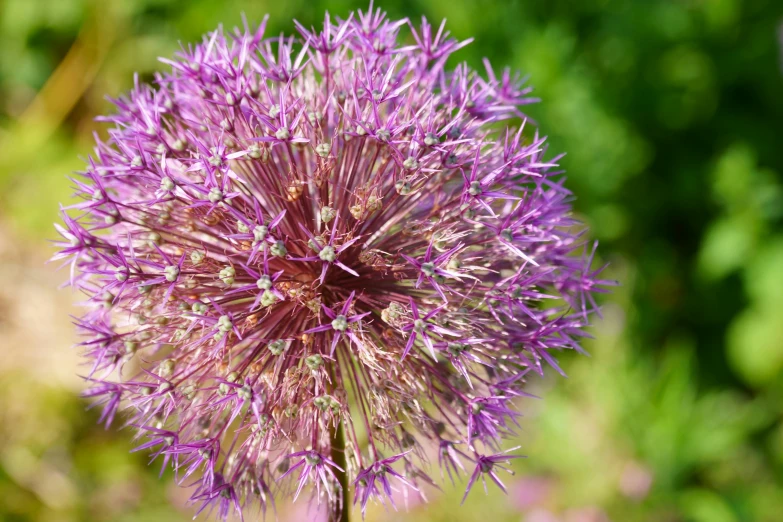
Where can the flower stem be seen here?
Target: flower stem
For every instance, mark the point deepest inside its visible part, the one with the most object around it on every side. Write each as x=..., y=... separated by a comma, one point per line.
x=341, y=510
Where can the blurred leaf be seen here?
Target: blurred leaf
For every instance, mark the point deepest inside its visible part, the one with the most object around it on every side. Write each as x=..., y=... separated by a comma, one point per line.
x=727, y=245
x=764, y=275
x=755, y=345
x=701, y=505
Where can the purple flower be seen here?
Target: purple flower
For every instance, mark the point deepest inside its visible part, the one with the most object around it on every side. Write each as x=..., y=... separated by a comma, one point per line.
x=327, y=253
x=449, y=459
x=160, y=439
x=314, y=467
x=218, y=494
x=487, y=465
x=107, y=394
x=301, y=253
x=341, y=324
x=375, y=482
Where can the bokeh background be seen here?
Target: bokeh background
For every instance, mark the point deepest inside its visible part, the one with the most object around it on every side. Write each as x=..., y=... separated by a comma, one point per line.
x=671, y=113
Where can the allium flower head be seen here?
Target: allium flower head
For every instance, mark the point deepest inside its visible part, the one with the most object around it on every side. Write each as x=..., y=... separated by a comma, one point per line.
x=308, y=260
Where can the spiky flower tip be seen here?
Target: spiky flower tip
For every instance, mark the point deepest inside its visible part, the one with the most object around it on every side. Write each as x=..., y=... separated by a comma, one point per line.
x=309, y=259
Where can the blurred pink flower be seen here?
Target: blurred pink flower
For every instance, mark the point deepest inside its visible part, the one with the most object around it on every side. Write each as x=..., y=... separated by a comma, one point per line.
x=541, y=515
x=635, y=481
x=531, y=491
x=585, y=514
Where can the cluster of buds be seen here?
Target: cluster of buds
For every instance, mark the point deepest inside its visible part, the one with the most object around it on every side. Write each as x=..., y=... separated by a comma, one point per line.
x=309, y=259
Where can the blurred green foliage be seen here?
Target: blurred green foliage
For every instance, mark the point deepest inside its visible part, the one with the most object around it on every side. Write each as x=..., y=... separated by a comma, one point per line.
x=672, y=116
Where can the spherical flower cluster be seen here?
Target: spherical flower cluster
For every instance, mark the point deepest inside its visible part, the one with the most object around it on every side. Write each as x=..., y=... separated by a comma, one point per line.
x=311, y=260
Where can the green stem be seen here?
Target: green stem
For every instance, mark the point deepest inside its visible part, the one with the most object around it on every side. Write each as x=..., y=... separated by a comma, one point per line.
x=341, y=510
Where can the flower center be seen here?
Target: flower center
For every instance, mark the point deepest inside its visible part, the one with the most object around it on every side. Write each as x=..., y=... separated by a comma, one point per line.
x=340, y=323
x=328, y=254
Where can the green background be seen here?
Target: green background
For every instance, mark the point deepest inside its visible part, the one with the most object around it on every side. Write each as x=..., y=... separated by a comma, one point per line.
x=671, y=113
